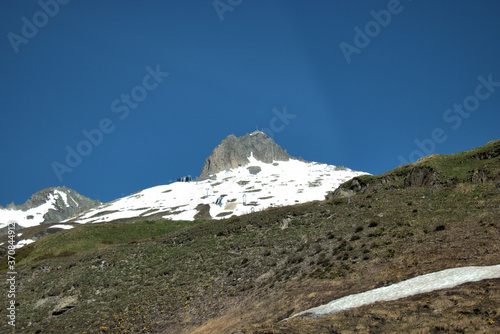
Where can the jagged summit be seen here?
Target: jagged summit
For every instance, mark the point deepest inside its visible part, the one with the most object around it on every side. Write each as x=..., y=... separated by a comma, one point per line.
x=234, y=151
x=47, y=206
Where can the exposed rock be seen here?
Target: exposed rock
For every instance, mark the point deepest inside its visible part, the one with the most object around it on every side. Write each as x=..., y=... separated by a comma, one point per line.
x=489, y=154
x=340, y=193
x=479, y=176
x=285, y=223
x=254, y=170
x=234, y=151
x=410, y=177
x=203, y=212
x=67, y=203
x=64, y=305
x=420, y=177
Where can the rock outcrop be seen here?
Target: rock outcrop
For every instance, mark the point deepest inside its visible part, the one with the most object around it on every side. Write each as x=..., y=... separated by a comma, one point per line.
x=479, y=165
x=234, y=151
x=420, y=176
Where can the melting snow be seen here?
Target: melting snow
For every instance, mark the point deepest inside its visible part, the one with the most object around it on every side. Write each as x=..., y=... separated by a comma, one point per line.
x=64, y=196
x=74, y=201
x=276, y=184
x=33, y=216
x=24, y=243
x=444, y=279
x=28, y=218
x=65, y=227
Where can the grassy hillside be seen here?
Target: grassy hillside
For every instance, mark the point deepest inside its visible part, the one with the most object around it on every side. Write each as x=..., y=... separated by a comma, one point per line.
x=88, y=238
x=480, y=165
x=245, y=274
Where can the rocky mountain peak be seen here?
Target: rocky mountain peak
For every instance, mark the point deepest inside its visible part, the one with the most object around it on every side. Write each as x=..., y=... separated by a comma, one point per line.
x=63, y=197
x=62, y=203
x=234, y=151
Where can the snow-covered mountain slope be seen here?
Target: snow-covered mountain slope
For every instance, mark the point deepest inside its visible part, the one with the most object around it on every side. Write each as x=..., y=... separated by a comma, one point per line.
x=30, y=217
x=47, y=206
x=237, y=191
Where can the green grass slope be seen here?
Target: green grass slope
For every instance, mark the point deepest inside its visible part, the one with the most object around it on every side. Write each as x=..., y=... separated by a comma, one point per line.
x=83, y=239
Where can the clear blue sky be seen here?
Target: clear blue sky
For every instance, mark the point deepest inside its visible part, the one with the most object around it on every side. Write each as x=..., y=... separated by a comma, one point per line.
x=75, y=71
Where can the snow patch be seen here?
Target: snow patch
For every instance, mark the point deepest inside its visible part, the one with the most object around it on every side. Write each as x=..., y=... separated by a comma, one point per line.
x=63, y=195
x=444, y=279
x=24, y=243
x=74, y=201
x=64, y=227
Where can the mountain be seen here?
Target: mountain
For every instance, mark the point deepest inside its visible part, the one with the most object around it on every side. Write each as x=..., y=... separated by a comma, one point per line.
x=241, y=175
x=234, y=151
x=46, y=206
x=249, y=273
x=237, y=191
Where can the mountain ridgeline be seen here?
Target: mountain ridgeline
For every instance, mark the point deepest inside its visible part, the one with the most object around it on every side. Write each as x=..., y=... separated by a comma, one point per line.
x=478, y=166
x=234, y=151
x=50, y=205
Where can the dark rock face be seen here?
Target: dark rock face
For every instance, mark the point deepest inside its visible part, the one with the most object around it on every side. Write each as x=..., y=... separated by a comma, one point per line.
x=421, y=177
x=254, y=170
x=234, y=151
x=67, y=207
x=413, y=177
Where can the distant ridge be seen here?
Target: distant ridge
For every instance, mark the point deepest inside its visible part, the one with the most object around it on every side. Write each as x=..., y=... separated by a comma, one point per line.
x=234, y=151
x=46, y=206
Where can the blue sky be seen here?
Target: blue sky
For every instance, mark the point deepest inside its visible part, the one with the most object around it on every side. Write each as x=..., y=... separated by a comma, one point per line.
x=364, y=83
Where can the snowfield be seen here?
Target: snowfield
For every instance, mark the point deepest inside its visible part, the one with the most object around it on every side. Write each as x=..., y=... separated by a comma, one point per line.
x=444, y=279
x=238, y=191
x=242, y=190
